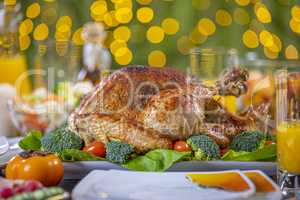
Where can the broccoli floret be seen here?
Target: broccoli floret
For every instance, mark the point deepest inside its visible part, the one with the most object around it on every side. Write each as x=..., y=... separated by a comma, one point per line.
x=204, y=147
x=60, y=139
x=118, y=152
x=248, y=141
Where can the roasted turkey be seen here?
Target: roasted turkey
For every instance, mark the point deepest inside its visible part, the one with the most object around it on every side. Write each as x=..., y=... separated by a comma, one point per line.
x=150, y=108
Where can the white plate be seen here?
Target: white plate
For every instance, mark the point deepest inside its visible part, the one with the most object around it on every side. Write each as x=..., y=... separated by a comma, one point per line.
x=12, y=151
x=276, y=195
x=126, y=185
x=77, y=170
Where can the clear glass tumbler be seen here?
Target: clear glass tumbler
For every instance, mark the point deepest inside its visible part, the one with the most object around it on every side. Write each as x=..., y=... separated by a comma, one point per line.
x=287, y=83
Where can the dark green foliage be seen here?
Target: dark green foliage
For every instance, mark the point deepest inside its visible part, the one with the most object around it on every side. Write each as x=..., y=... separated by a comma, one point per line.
x=204, y=147
x=118, y=152
x=248, y=141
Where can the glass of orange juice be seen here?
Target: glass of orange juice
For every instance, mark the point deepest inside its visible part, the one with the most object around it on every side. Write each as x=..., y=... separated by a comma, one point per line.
x=288, y=130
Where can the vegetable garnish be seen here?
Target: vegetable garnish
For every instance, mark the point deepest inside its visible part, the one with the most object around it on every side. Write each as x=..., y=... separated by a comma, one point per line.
x=156, y=160
x=96, y=148
x=248, y=141
x=72, y=155
x=118, y=152
x=40, y=166
x=204, y=147
x=60, y=139
x=32, y=141
x=266, y=153
x=181, y=146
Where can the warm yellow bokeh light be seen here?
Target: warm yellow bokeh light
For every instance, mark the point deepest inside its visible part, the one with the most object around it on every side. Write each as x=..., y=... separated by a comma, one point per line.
x=263, y=14
x=291, y=52
x=157, y=58
x=201, y=4
x=123, y=4
x=145, y=14
x=242, y=2
x=10, y=2
x=155, y=34
x=269, y=54
x=115, y=45
x=33, y=10
x=98, y=8
x=266, y=38
x=122, y=33
x=41, y=32
x=184, y=45
x=123, y=56
x=294, y=25
x=98, y=18
x=223, y=17
x=124, y=15
x=77, y=37
x=144, y=2
x=170, y=26
x=206, y=26
x=64, y=23
x=277, y=44
x=241, y=16
x=116, y=1
x=26, y=27
x=110, y=19
x=24, y=42
x=250, y=39
x=296, y=12
x=196, y=37
x=62, y=36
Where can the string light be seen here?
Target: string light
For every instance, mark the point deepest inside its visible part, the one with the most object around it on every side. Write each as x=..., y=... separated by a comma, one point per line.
x=250, y=39
x=291, y=52
x=33, y=10
x=206, y=27
x=157, y=58
x=41, y=32
x=145, y=14
x=170, y=26
x=155, y=34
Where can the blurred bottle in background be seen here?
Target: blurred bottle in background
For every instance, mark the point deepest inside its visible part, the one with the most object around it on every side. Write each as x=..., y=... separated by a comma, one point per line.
x=96, y=58
x=13, y=65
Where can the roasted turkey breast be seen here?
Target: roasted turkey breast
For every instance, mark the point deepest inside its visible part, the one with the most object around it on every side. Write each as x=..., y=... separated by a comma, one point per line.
x=151, y=107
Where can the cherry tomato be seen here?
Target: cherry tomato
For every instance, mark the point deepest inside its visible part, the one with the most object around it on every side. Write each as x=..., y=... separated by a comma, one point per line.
x=224, y=151
x=96, y=148
x=268, y=142
x=46, y=168
x=181, y=146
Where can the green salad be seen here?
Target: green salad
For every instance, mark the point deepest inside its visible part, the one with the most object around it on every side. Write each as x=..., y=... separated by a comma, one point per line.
x=247, y=146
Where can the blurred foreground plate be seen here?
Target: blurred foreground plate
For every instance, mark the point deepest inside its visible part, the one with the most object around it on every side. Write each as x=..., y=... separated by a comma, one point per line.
x=77, y=170
x=127, y=185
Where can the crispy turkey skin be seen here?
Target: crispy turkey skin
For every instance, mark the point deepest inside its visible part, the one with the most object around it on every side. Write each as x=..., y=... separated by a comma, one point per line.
x=149, y=108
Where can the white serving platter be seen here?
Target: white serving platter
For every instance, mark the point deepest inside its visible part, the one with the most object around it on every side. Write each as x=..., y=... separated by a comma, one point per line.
x=126, y=185
x=77, y=170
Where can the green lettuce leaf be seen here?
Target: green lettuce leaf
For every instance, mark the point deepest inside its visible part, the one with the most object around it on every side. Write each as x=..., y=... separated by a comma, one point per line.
x=72, y=155
x=32, y=141
x=266, y=153
x=156, y=160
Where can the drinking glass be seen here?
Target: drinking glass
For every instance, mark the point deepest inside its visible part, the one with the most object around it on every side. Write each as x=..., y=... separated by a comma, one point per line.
x=287, y=84
x=208, y=63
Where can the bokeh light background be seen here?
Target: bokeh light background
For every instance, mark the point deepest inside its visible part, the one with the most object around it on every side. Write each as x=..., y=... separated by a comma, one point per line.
x=161, y=32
